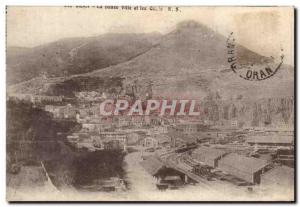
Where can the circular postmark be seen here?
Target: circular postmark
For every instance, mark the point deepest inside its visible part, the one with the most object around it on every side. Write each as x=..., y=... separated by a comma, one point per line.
x=254, y=71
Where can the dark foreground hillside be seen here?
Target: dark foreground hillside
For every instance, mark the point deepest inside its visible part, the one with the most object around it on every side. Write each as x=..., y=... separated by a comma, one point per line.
x=32, y=139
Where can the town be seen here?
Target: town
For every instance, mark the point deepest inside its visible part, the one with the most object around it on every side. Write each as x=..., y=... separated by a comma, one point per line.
x=178, y=152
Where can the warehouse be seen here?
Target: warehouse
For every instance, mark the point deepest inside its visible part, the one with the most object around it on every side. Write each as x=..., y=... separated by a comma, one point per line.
x=245, y=168
x=208, y=156
x=270, y=140
x=158, y=169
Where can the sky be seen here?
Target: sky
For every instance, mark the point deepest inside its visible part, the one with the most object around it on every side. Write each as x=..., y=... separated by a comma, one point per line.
x=264, y=30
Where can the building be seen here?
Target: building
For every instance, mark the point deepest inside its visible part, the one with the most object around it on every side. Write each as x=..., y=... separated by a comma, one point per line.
x=178, y=138
x=73, y=138
x=245, y=168
x=164, y=175
x=285, y=157
x=159, y=130
x=234, y=124
x=97, y=142
x=133, y=138
x=270, y=140
x=24, y=97
x=137, y=121
x=36, y=98
x=62, y=112
x=86, y=144
x=156, y=140
x=95, y=127
x=150, y=142
x=114, y=140
x=163, y=140
x=123, y=121
x=173, y=181
x=89, y=126
x=188, y=128
x=208, y=156
x=114, y=135
x=153, y=165
x=114, y=144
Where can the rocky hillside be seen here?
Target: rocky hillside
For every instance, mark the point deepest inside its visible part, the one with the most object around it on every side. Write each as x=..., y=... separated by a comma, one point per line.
x=189, y=62
x=75, y=55
x=264, y=112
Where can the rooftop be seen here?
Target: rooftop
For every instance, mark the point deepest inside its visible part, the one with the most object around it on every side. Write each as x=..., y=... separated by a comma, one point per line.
x=190, y=138
x=209, y=152
x=270, y=139
x=242, y=163
x=152, y=164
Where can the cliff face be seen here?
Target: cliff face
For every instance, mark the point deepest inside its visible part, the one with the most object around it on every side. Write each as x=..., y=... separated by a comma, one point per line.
x=265, y=112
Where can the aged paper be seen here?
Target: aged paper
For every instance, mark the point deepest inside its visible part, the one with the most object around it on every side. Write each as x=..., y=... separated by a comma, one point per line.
x=150, y=103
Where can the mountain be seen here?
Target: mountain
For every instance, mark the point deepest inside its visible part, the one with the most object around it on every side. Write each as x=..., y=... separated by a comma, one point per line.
x=189, y=62
x=75, y=55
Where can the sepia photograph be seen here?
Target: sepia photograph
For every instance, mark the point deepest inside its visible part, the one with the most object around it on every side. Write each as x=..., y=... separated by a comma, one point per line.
x=150, y=103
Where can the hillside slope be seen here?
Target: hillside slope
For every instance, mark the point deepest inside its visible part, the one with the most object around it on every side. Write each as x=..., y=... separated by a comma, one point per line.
x=189, y=62
x=75, y=55
x=192, y=61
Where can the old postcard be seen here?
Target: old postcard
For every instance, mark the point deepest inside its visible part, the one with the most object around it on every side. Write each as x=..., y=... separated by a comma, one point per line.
x=150, y=103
